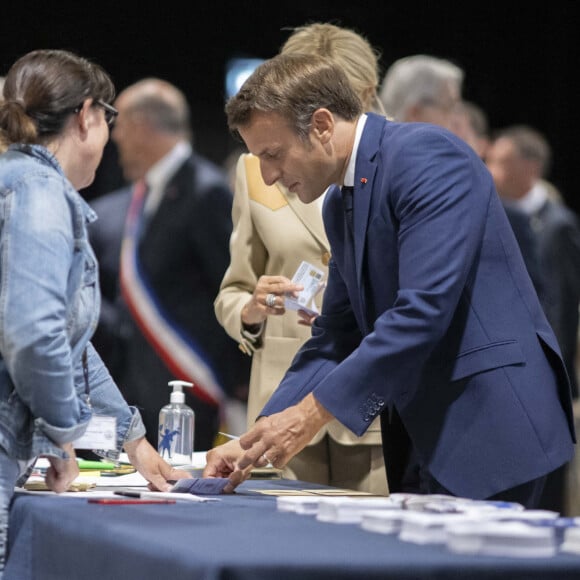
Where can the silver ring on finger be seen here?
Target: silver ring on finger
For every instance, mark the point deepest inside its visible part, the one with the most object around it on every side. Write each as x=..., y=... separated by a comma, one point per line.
x=271, y=300
x=266, y=458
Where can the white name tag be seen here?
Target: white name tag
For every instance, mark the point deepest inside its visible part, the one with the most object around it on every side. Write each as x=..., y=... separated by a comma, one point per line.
x=101, y=433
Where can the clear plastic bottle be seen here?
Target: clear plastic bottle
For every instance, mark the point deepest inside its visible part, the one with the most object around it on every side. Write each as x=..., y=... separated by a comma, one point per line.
x=176, y=427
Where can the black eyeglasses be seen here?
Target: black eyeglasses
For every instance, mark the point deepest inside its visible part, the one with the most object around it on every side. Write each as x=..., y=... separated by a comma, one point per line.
x=110, y=112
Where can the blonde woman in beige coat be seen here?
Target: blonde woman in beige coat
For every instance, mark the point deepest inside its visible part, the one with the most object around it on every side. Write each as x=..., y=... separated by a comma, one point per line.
x=273, y=233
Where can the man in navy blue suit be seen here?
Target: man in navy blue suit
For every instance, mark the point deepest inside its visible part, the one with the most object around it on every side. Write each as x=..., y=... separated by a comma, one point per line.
x=429, y=319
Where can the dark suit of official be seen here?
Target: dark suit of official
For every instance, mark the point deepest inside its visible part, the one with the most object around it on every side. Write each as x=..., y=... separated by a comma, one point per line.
x=558, y=237
x=528, y=244
x=431, y=314
x=184, y=252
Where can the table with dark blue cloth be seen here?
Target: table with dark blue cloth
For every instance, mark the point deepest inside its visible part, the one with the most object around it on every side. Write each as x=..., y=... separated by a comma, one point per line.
x=241, y=537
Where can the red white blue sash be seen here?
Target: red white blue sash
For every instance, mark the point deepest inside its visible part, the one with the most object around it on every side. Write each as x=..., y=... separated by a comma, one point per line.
x=178, y=352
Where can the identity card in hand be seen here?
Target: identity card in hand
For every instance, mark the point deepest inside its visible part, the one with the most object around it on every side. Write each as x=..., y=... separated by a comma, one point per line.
x=311, y=278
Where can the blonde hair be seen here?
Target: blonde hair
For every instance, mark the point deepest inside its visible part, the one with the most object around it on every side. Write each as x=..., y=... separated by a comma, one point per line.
x=346, y=49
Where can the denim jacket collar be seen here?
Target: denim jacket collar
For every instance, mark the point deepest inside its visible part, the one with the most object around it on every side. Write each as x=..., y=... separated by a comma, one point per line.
x=38, y=152
x=43, y=155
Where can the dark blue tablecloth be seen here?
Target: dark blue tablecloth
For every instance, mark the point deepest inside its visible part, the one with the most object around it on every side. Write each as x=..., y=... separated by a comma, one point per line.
x=241, y=537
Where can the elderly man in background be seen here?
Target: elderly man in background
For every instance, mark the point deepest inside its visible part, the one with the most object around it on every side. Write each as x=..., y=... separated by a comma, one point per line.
x=163, y=247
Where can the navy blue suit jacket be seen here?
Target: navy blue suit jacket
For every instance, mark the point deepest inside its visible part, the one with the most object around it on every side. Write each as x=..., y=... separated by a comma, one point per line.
x=431, y=311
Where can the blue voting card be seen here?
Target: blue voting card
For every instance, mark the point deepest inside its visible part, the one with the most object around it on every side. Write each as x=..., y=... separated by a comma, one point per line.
x=201, y=485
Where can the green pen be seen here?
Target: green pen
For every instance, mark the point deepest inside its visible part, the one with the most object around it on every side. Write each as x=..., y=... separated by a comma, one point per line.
x=88, y=465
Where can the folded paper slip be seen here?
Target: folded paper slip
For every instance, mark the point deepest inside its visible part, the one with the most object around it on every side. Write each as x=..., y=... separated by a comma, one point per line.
x=74, y=486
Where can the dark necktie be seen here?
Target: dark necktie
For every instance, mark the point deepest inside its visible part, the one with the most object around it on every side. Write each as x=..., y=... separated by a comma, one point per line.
x=347, y=203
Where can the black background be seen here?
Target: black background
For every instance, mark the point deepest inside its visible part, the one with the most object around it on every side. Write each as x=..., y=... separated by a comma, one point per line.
x=521, y=61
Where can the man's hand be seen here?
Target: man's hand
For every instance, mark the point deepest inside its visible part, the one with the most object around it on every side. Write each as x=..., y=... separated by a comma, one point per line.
x=152, y=466
x=221, y=461
x=274, y=440
x=306, y=318
x=278, y=438
x=62, y=472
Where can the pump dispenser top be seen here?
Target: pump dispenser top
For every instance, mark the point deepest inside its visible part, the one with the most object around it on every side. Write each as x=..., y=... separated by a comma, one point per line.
x=177, y=395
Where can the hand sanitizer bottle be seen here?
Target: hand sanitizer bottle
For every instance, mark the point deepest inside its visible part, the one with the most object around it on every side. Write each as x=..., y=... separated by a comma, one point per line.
x=176, y=427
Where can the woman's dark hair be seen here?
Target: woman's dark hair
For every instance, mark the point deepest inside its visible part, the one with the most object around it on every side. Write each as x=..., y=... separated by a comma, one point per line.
x=44, y=87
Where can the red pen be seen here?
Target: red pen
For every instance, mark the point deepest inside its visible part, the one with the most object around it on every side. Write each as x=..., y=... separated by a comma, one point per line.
x=115, y=501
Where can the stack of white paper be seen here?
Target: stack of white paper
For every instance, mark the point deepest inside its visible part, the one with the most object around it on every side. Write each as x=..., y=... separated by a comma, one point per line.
x=419, y=502
x=384, y=521
x=515, y=515
x=427, y=528
x=502, y=538
x=299, y=504
x=424, y=527
x=571, y=540
x=449, y=504
x=350, y=510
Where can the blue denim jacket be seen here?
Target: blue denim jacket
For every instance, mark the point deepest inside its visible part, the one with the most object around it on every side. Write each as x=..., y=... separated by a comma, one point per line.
x=49, y=306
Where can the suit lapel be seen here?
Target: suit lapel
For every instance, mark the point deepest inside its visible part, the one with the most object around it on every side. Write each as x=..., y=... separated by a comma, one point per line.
x=363, y=189
x=365, y=173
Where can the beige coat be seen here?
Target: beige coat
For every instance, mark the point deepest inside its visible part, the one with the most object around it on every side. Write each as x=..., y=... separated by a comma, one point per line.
x=273, y=232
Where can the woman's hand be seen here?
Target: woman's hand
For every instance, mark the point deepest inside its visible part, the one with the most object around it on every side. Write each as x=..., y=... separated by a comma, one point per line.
x=62, y=472
x=268, y=299
x=152, y=466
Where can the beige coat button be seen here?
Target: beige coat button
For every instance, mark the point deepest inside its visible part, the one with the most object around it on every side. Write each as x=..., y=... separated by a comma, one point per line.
x=326, y=258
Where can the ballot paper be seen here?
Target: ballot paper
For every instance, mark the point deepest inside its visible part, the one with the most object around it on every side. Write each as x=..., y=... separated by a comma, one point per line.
x=312, y=279
x=484, y=530
x=384, y=521
x=469, y=526
x=350, y=510
x=502, y=538
x=440, y=503
x=427, y=528
x=571, y=540
x=299, y=504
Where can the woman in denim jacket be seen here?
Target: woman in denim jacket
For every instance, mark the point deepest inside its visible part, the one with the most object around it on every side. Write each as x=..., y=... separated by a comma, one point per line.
x=55, y=121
